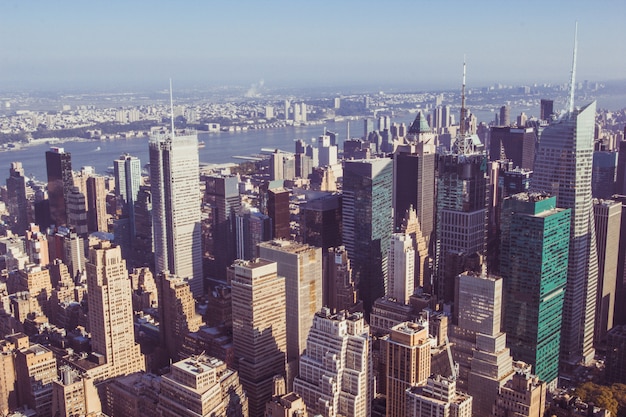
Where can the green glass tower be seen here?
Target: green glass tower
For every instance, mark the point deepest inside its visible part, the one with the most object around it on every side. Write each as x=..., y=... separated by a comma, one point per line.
x=535, y=247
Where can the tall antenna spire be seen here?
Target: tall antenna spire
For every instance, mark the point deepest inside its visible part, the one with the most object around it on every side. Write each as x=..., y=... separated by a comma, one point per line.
x=572, y=86
x=172, y=108
x=348, y=130
x=463, y=111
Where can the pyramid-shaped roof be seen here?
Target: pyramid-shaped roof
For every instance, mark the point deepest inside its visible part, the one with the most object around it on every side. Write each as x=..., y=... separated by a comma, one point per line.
x=419, y=125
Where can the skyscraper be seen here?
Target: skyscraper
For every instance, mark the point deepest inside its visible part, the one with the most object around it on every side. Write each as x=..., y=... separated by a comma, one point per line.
x=278, y=210
x=339, y=349
x=608, y=221
x=414, y=181
x=177, y=313
x=401, y=263
x=368, y=223
x=111, y=311
x=16, y=194
x=408, y=363
x=514, y=143
x=321, y=221
x=505, y=115
x=96, y=205
x=546, y=109
x=175, y=182
x=462, y=204
x=535, y=242
x=60, y=183
x=480, y=315
x=603, y=174
x=222, y=196
x=77, y=211
x=301, y=265
x=340, y=292
x=127, y=170
x=259, y=330
x=563, y=169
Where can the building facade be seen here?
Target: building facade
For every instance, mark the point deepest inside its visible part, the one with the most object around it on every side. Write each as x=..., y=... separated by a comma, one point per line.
x=175, y=183
x=336, y=375
x=563, y=168
x=535, y=241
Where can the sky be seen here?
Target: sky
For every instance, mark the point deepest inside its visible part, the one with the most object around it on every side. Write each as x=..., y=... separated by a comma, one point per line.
x=136, y=44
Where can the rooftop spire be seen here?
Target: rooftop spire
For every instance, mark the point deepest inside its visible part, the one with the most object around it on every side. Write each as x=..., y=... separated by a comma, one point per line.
x=172, y=108
x=463, y=111
x=572, y=85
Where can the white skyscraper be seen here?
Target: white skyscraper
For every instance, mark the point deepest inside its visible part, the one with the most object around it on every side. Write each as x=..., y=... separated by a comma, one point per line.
x=336, y=376
x=563, y=168
x=401, y=267
x=175, y=182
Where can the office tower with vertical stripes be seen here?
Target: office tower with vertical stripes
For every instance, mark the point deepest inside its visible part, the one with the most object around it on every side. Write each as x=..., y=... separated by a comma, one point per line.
x=111, y=312
x=563, y=169
x=301, y=265
x=175, y=182
x=259, y=330
x=368, y=223
x=608, y=221
x=535, y=243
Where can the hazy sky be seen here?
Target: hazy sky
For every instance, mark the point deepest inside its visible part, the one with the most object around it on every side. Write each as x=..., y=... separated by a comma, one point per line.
x=135, y=44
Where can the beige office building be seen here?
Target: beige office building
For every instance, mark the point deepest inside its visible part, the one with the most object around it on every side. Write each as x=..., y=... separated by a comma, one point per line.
x=522, y=396
x=336, y=374
x=36, y=369
x=301, y=265
x=73, y=395
x=201, y=386
x=259, y=330
x=177, y=312
x=438, y=398
x=608, y=219
x=408, y=363
x=111, y=312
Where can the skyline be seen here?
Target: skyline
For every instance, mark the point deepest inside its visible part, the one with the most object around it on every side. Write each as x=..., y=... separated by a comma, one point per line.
x=137, y=45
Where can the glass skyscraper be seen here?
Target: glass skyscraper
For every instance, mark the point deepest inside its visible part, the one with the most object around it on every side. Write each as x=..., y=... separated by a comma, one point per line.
x=368, y=223
x=535, y=244
x=175, y=182
x=563, y=168
x=462, y=200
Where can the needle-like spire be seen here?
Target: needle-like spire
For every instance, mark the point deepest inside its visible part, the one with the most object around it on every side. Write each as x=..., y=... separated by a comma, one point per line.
x=572, y=85
x=172, y=108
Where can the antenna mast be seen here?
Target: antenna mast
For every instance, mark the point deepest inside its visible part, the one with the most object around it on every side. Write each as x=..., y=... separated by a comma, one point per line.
x=572, y=86
x=172, y=108
x=463, y=111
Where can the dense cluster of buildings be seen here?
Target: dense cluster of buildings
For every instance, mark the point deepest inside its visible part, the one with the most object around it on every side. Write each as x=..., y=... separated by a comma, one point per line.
x=436, y=269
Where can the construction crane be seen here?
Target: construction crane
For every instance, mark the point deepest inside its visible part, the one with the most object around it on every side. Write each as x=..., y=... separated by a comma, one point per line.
x=453, y=366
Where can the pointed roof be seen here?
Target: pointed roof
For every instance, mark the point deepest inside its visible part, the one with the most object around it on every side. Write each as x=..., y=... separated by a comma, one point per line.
x=419, y=125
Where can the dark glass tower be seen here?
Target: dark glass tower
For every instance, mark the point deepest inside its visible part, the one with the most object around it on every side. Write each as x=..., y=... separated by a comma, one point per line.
x=368, y=223
x=60, y=183
x=515, y=144
x=222, y=195
x=462, y=204
x=17, y=202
